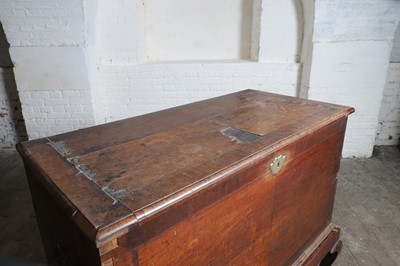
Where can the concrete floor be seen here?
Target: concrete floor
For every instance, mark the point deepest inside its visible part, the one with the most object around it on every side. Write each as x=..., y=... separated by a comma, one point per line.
x=367, y=208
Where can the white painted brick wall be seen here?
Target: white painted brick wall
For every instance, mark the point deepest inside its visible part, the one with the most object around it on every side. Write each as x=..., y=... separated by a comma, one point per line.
x=43, y=22
x=48, y=42
x=135, y=90
x=281, y=31
x=50, y=68
x=49, y=113
x=54, y=89
x=355, y=20
x=198, y=29
x=353, y=74
x=351, y=47
x=120, y=20
x=388, y=132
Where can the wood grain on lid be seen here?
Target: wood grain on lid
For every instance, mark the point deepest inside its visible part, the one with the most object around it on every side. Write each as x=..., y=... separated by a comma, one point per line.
x=140, y=161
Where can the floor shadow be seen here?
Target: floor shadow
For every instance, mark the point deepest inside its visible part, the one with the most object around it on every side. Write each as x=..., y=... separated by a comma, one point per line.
x=12, y=121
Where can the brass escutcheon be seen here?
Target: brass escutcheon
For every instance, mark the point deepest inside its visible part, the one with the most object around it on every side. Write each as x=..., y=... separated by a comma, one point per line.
x=277, y=164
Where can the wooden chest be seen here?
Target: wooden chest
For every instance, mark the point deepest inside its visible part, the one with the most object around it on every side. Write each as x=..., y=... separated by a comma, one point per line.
x=244, y=179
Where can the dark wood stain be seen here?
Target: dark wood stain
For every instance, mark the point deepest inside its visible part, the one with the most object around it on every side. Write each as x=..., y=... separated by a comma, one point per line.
x=192, y=184
x=240, y=135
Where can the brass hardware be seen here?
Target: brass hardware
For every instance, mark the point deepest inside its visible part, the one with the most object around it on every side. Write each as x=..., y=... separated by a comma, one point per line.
x=277, y=164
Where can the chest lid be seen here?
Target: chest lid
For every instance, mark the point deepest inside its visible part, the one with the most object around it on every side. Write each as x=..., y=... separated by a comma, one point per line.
x=114, y=175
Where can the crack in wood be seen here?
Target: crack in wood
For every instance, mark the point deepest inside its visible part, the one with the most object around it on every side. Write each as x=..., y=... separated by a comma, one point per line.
x=84, y=169
x=116, y=194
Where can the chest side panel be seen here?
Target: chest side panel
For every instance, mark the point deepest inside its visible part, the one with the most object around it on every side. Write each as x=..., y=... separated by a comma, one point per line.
x=246, y=223
x=62, y=239
x=303, y=199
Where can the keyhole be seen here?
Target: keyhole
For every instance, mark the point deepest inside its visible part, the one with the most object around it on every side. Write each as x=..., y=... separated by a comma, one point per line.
x=277, y=164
